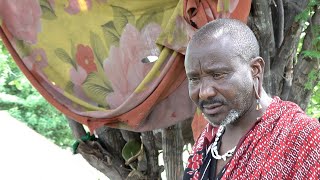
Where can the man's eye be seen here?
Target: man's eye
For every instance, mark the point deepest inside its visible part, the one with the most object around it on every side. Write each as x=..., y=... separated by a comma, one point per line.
x=218, y=75
x=193, y=79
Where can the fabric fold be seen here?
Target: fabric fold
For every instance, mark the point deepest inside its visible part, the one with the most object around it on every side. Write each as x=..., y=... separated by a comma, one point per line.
x=86, y=59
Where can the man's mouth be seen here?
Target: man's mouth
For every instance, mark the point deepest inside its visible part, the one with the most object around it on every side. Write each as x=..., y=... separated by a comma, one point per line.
x=211, y=109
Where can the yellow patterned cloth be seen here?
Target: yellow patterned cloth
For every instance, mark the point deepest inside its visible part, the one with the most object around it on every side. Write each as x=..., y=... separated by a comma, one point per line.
x=89, y=58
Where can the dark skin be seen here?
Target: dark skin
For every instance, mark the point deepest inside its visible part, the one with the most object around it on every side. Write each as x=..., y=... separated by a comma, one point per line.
x=220, y=81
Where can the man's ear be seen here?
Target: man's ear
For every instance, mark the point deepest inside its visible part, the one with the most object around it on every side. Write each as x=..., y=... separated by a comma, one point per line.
x=257, y=70
x=257, y=67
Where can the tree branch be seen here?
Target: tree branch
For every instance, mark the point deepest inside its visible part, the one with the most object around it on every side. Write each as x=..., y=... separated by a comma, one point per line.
x=288, y=49
x=305, y=65
x=110, y=165
x=285, y=55
x=287, y=84
x=172, y=145
x=129, y=135
x=76, y=128
x=153, y=170
x=111, y=139
x=280, y=16
x=262, y=26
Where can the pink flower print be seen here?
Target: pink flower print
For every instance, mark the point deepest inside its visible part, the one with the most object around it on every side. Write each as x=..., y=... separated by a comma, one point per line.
x=22, y=18
x=78, y=76
x=75, y=6
x=123, y=67
x=85, y=58
x=36, y=62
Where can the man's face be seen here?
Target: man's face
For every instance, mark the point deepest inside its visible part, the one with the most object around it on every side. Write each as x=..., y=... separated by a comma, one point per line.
x=220, y=83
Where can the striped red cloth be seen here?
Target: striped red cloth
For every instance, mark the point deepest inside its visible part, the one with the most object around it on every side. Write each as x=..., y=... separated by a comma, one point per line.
x=283, y=144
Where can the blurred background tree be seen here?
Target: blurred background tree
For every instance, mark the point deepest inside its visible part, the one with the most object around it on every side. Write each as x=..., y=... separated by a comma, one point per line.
x=25, y=103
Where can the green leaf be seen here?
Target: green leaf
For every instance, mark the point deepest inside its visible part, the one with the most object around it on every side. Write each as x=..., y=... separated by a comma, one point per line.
x=110, y=33
x=63, y=55
x=307, y=12
x=131, y=149
x=121, y=18
x=98, y=47
x=69, y=87
x=313, y=108
x=312, y=77
x=95, y=88
x=153, y=15
x=314, y=2
x=303, y=16
x=47, y=10
x=312, y=54
x=316, y=41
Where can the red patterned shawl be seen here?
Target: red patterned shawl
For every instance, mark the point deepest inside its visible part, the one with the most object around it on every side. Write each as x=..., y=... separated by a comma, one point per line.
x=283, y=144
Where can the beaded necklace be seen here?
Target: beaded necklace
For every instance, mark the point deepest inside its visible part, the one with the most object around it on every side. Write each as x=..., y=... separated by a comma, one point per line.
x=214, y=148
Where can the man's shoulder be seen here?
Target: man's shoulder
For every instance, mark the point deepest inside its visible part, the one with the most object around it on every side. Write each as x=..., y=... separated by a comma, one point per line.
x=301, y=119
x=303, y=125
x=297, y=118
x=295, y=121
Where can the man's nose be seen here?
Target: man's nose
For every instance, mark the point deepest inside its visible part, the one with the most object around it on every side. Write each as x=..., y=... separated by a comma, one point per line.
x=207, y=91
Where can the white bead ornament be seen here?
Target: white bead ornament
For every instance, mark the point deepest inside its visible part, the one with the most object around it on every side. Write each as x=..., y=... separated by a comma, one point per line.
x=214, y=149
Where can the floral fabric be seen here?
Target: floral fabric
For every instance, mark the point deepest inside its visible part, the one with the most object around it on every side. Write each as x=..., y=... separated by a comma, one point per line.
x=283, y=144
x=85, y=57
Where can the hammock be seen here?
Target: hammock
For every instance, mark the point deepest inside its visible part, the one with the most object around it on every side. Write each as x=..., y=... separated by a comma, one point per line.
x=117, y=63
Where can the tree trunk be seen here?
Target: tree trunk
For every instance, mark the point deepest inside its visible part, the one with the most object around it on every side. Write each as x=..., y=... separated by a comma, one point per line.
x=172, y=145
x=299, y=92
x=278, y=32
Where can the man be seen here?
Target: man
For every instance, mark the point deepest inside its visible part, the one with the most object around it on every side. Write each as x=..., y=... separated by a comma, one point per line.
x=249, y=135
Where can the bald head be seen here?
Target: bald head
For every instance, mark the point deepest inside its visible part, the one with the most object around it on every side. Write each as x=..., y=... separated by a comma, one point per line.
x=224, y=70
x=243, y=40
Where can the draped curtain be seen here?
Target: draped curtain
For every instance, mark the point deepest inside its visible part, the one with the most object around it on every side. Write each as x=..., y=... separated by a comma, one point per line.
x=118, y=63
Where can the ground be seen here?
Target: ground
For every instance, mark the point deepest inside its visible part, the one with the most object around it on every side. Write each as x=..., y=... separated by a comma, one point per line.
x=25, y=154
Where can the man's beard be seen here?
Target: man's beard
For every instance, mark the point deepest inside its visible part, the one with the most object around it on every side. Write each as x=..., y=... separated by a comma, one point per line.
x=232, y=117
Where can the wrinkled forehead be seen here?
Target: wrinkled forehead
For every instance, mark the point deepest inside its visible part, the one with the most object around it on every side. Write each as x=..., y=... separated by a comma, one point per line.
x=209, y=52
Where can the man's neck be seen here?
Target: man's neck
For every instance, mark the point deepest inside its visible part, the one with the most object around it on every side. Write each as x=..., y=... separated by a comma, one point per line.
x=243, y=125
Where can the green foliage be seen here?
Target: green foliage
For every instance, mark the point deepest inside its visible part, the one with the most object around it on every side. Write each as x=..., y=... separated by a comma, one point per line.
x=313, y=83
x=306, y=14
x=313, y=108
x=131, y=149
x=312, y=77
x=312, y=54
x=24, y=103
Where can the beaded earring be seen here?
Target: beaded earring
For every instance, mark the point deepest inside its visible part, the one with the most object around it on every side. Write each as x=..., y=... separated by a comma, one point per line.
x=258, y=107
